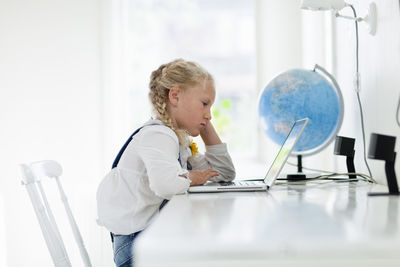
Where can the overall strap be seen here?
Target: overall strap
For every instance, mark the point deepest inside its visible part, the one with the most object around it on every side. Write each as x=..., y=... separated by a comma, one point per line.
x=188, y=165
x=116, y=160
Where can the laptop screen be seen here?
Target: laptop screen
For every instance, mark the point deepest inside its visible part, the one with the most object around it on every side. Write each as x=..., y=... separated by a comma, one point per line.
x=284, y=152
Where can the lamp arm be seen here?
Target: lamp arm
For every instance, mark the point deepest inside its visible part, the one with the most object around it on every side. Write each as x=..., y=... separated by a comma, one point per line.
x=348, y=17
x=370, y=18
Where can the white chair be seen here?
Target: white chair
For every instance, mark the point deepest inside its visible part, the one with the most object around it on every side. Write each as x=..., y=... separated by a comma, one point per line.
x=32, y=174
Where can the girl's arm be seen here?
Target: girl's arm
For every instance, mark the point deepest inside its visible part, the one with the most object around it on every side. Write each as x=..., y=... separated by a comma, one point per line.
x=216, y=157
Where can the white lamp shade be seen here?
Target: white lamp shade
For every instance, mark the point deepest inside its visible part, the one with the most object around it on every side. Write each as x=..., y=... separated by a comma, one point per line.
x=322, y=4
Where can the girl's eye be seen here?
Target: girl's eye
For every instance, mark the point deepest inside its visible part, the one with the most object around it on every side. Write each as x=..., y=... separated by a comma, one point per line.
x=205, y=103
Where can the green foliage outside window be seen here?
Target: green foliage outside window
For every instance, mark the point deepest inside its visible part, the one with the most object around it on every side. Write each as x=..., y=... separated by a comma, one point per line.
x=222, y=119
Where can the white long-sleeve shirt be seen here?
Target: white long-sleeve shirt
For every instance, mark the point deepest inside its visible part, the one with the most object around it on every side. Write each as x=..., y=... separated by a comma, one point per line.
x=148, y=172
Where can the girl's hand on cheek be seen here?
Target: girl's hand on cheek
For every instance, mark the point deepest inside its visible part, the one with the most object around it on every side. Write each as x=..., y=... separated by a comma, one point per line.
x=200, y=177
x=209, y=135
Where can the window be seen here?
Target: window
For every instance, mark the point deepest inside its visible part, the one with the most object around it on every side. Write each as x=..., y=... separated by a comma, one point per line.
x=219, y=35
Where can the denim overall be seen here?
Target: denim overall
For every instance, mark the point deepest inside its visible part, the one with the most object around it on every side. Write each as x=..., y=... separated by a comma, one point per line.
x=123, y=244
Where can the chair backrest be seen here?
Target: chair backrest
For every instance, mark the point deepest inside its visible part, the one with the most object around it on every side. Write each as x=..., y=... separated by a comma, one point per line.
x=32, y=174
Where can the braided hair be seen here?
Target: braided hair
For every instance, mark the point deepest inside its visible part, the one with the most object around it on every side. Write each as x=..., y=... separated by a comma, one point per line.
x=180, y=73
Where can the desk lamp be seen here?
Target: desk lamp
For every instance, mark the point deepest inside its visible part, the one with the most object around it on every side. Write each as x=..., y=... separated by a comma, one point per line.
x=337, y=5
x=382, y=147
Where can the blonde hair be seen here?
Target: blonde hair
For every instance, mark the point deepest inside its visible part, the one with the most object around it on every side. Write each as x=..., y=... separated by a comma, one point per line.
x=179, y=73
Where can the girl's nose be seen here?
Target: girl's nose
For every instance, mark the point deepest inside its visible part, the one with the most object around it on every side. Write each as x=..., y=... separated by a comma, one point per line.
x=208, y=114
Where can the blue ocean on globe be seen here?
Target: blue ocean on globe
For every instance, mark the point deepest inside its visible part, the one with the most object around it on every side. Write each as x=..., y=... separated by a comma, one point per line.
x=297, y=94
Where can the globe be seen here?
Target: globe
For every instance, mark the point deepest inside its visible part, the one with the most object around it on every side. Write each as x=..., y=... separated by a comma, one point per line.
x=297, y=94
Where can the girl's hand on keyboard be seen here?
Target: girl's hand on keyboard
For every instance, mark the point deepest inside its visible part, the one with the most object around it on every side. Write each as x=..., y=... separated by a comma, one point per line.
x=200, y=177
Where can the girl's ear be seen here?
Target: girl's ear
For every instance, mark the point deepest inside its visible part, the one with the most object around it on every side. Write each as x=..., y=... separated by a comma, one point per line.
x=173, y=95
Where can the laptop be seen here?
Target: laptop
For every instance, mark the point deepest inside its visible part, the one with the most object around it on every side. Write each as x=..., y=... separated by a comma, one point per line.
x=273, y=172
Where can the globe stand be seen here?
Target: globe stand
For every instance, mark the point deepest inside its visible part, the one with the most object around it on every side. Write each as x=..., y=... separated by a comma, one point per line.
x=299, y=175
x=382, y=147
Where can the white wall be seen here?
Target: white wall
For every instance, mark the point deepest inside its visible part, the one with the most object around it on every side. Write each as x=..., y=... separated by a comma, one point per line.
x=51, y=108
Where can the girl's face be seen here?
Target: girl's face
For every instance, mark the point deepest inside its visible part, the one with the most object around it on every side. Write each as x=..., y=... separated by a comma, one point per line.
x=191, y=108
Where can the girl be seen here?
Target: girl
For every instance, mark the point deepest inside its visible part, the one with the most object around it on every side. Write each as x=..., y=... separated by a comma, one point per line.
x=158, y=161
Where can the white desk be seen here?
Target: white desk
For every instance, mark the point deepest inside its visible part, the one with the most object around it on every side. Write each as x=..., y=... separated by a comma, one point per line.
x=333, y=224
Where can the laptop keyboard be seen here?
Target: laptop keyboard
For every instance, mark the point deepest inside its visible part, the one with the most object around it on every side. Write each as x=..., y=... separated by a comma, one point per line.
x=244, y=183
